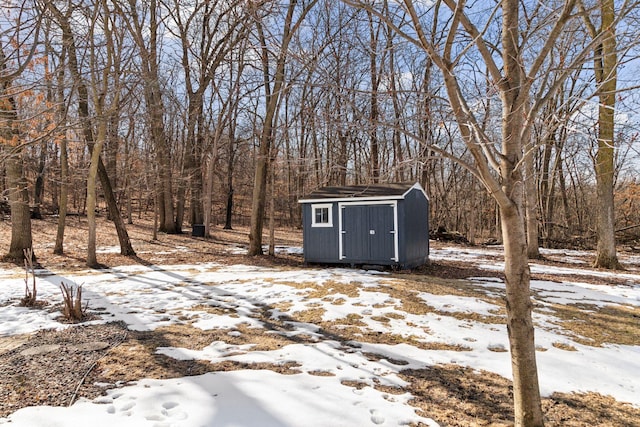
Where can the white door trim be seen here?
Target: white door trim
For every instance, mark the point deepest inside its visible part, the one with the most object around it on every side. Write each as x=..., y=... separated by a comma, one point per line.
x=341, y=231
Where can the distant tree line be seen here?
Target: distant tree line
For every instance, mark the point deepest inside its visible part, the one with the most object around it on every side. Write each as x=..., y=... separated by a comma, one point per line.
x=205, y=111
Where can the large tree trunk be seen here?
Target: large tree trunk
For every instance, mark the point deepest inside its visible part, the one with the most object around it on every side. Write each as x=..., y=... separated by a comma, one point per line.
x=21, y=237
x=606, y=64
x=527, y=403
x=165, y=187
x=145, y=35
x=273, y=92
x=114, y=212
x=230, y=168
x=259, y=194
x=38, y=189
x=58, y=248
x=17, y=186
x=272, y=95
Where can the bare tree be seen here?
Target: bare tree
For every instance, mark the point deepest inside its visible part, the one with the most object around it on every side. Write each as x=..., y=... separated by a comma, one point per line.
x=207, y=33
x=499, y=164
x=106, y=100
x=274, y=76
x=63, y=18
x=21, y=39
x=64, y=160
x=144, y=28
x=605, y=64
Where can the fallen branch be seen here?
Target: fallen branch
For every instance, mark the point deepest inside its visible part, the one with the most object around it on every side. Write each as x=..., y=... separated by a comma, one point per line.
x=93, y=365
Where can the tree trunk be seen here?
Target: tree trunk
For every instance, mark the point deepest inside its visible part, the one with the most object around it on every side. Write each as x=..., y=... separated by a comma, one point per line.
x=38, y=189
x=230, y=168
x=515, y=98
x=17, y=185
x=64, y=191
x=92, y=260
x=19, y=202
x=531, y=208
x=273, y=92
x=145, y=36
x=114, y=212
x=259, y=196
x=527, y=403
x=272, y=212
x=606, y=76
x=208, y=194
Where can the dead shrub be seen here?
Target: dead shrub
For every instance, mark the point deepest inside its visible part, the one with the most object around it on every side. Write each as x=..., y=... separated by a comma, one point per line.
x=30, y=295
x=72, y=308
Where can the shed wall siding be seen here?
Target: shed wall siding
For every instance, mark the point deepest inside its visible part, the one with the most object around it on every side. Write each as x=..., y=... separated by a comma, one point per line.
x=416, y=228
x=320, y=243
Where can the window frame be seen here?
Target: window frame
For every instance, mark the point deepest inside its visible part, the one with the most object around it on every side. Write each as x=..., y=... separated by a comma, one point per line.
x=329, y=208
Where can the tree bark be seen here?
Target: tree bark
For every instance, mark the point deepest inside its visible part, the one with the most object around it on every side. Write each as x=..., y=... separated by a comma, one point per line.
x=605, y=66
x=513, y=84
x=17, y=186
x=21, y=237
x=527, y=403
x=38, y=189
x=230, y=168
x=515, y=98
x=64, y=165
x=62, y=204
x=146, y=39
x=92, y=260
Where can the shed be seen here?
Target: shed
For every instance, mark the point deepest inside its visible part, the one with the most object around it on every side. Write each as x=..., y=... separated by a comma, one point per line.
x=379, y=224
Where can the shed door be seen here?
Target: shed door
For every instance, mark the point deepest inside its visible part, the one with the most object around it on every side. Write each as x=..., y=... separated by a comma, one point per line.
x=368, y=233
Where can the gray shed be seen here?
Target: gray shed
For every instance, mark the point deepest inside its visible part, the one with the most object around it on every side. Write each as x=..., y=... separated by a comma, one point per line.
x=380, y=224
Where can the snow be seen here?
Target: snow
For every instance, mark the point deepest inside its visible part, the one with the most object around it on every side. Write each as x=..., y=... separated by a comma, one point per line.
x=147, y=297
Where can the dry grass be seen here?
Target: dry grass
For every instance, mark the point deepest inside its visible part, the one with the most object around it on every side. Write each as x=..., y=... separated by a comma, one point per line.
x=461, y=397
x=332, y=288
x=599, y=325
x=563, y=346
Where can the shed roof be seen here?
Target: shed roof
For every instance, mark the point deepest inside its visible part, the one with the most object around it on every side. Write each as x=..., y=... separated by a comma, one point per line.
x=369, y=192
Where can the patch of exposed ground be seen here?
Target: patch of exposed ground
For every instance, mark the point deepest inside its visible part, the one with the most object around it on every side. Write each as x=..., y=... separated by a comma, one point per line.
x=221, y=247
x=47, y=368
x=407, y=292
x=137, y=357
x=455, y=396
x=597, y=326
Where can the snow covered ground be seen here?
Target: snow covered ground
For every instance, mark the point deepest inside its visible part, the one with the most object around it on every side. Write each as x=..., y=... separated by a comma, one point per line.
x=148, y=297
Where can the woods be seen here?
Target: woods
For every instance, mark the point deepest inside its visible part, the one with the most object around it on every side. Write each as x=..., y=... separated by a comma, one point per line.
x=200, y=96
x=519, y=120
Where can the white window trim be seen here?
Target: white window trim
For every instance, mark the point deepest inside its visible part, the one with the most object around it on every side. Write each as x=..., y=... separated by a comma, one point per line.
x=329, y=207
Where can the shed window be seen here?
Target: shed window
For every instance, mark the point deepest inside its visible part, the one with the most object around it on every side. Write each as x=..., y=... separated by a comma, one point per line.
x=322, y=215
